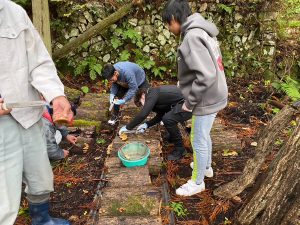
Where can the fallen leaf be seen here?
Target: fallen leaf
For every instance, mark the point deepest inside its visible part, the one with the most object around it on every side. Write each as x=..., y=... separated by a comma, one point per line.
x=122, y=210
x=237, y=199
x=74, y=218
x=228, y=152
x=109, y=148
x=97, y=158
x=85, y=191
x=86, y=146
x=232, y=104
x=85, y=213
x=254, y=144
x=123, y=137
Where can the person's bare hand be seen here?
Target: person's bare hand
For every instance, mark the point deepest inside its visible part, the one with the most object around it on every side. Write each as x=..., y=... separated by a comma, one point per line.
x=61, y=108
x=72, y=139
x=3, y=112
x=184, y=108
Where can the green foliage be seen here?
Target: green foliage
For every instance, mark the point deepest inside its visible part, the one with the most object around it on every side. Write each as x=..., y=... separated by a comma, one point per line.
x=159, y=71
x=85, y=89
x=23, y=212
x=115, y=42
x=100, y=141
x=23, y=3
x=179, y=209
x=124, y=55
x=228, y=9
x=91, y=65
x=290, y=87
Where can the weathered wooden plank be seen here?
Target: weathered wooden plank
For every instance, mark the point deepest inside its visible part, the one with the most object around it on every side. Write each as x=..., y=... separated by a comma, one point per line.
x=128, y=177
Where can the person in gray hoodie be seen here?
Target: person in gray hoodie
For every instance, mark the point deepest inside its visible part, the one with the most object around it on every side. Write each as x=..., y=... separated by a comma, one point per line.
x=202, y=82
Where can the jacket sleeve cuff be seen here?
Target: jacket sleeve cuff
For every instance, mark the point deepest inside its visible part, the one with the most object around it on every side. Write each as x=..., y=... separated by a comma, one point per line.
x=50, y=96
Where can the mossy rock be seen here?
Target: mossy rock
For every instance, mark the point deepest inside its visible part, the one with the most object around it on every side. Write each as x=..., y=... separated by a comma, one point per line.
x=93, y=114
x=72, y=94
x=87, y=123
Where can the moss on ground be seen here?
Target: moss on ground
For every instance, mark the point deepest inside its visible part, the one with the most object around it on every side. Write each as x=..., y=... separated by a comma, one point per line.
x=87, y=123
x=133, y=206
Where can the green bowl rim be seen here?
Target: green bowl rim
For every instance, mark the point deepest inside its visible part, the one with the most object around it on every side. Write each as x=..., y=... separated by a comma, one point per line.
x=146, y=156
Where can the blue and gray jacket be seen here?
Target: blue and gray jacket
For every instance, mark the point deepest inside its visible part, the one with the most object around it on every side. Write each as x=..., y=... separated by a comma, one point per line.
x=53, y=149
x=131, y=76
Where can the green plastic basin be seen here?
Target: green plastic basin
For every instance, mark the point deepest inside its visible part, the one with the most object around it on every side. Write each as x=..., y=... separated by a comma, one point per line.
x=134, y=154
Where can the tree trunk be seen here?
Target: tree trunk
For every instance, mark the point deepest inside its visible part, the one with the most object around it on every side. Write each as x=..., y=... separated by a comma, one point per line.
x=41, y=21
x=252, y=168
x=93, y=31
x=278, y=196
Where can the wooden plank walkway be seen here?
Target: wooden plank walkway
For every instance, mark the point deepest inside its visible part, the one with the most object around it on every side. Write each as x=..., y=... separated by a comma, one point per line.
x=129, y=196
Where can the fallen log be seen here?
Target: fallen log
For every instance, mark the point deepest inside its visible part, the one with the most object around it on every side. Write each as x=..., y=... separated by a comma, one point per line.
x=278, y=196
x=264, y=147
x=94, y=30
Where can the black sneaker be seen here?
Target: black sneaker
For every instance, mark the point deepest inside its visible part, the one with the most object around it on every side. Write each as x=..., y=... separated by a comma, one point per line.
x=177, y=153
x=113, y=120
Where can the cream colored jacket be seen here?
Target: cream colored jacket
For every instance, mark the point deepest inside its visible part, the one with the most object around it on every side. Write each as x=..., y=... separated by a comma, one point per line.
x=26, y=68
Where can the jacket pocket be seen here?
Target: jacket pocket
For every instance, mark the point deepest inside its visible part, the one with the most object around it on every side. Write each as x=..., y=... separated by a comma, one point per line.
x=13, y=32
x=13, y=47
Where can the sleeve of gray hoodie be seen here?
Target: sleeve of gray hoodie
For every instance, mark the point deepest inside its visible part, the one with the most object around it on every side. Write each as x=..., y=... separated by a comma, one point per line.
x=199, y=61
x=53, y=149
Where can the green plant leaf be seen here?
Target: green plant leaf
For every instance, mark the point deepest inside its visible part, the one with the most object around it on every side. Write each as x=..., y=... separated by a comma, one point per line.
x=85, y=89
x=93, y=75
x=97, y=68
x=101, y=141
x=116, y=43
x=124, y=55
x=226, y=8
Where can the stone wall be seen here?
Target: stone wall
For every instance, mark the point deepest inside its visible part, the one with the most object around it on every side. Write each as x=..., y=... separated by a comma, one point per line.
x=249, y=36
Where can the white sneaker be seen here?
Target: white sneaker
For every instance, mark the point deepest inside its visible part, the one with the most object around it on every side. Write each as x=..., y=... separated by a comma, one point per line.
x=208, y=172
x=190, y=188
x=113, y=120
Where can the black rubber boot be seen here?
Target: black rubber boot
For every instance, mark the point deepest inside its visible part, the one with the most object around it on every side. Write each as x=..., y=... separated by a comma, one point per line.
x=177, y=153
x=39, y=213
x=167, y=137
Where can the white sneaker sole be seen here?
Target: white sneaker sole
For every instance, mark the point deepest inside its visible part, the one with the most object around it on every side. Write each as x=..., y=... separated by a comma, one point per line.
x=110, y=122
x=208, y=172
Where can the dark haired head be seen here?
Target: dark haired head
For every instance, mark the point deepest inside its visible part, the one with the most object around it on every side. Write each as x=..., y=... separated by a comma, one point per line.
x=138, y=96
x=177, y=9
x=74, y=108
x=108, y=71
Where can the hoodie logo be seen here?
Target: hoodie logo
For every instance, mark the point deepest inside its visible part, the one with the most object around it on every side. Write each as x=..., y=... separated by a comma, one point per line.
x=220, y=63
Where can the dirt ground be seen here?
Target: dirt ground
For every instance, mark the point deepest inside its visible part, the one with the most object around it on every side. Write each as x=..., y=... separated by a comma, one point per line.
x=77, y=177
x=247, y=113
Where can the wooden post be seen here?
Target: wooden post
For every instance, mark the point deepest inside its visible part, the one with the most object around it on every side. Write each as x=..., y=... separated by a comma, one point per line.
x=41, y=20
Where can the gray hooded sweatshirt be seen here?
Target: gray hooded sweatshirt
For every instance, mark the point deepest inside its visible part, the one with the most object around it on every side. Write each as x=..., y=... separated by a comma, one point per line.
x=200, y=70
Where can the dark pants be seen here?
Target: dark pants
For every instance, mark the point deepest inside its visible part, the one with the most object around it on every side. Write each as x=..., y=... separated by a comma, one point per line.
x=122, y=92
x=171, y=119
